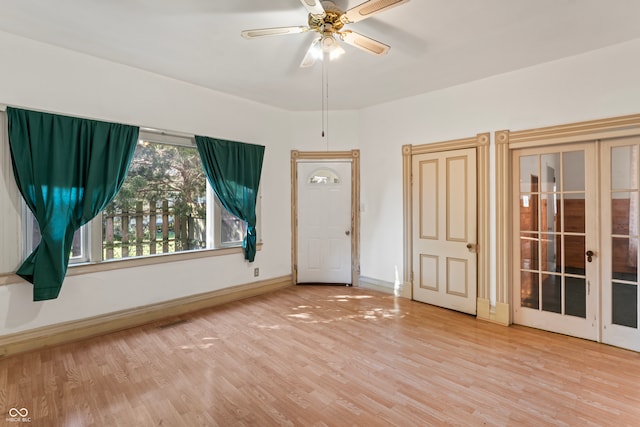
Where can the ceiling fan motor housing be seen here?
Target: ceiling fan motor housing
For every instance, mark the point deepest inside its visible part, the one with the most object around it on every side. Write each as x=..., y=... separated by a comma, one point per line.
x=331, y=18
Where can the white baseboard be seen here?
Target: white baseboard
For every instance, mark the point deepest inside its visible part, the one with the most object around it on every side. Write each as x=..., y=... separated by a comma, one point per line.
x=376, y=285
x=99, y=325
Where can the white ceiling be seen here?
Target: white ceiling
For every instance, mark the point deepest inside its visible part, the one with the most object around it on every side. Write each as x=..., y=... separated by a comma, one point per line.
x=434, y=43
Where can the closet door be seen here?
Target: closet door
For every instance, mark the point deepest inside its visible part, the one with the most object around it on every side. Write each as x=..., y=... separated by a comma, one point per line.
x=444, y=229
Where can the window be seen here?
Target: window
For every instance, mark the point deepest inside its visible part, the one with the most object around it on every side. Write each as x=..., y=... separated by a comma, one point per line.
x=165, y=206
x=324, y=176
x=81, y=239
x=230, y=230
x=161, y=207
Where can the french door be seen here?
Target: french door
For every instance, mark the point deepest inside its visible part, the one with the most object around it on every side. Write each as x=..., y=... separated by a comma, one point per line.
x=620, y=210
x=576, y=236
x=555, y=230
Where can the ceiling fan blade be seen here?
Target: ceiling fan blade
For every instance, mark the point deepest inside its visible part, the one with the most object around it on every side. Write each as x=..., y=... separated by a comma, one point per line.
x=312, y=55
x=314, y=7
x=368, y=9
x=278, y=31
x=365, y=43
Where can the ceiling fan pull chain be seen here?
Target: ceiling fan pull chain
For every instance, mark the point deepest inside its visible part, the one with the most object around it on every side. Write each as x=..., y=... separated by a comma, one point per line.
x=322, y=90
x=327, y=102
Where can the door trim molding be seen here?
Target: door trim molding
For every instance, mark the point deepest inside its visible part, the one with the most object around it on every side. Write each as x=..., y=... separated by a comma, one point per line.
x=506, y=141
x=481, y=143
x=354, y=157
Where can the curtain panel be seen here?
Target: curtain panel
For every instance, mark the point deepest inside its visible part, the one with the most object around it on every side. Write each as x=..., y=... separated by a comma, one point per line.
x=67, y=170
x=233, y=170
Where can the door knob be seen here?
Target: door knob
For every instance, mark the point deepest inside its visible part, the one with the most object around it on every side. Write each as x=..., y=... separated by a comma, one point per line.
x=471, y=247
x=589, y=255
x=347, y=233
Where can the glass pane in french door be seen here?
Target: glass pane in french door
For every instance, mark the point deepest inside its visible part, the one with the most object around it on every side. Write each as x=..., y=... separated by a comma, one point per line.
x=623, y=262
x=553, y=233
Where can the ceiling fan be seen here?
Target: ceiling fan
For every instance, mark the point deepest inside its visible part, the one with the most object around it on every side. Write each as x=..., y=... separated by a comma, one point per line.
x=329, y=20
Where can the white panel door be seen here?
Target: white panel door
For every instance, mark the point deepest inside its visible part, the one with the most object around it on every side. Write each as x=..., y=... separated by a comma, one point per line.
x=324, y=222
x=555, y=273
x=620, y=256
x=444, y=229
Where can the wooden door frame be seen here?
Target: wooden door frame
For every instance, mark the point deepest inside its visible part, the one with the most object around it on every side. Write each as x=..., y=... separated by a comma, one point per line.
x=481, y=143
x=506, y=141
x=328, y=156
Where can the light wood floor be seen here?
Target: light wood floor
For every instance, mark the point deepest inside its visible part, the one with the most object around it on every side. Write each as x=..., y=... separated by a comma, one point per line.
x=325, y=356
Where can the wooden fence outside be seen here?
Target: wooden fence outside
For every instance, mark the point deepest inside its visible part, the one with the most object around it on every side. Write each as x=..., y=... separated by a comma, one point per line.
x=149, y=228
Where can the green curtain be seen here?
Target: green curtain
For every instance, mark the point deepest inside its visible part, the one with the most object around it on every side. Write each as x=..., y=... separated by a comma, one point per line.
x=233, y=170
x=67, y=170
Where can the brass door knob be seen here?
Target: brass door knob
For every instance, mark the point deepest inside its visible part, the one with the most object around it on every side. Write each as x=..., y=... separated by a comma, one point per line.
x=589, y=255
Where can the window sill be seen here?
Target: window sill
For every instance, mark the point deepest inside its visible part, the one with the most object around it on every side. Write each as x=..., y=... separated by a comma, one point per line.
x=97, y=267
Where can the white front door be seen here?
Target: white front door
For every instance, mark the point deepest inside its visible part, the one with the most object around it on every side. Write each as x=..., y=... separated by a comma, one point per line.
x=324, y=222
x=444, y=229
x=555, y=273
x=620, y=210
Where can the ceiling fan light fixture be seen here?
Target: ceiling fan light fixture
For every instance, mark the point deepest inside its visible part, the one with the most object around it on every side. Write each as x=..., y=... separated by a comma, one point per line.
x=315, y=50
x=336, y=53
x=328, y=44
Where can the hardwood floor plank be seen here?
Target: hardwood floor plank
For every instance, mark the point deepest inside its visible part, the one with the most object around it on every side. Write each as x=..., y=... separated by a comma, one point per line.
x=325, y=356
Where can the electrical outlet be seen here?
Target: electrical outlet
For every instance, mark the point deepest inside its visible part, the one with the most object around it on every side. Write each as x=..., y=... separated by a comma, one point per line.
x=256, y=272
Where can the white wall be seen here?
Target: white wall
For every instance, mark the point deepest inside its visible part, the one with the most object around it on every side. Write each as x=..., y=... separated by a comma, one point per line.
x=41, y=77
x=341, y=131
x=599, y=84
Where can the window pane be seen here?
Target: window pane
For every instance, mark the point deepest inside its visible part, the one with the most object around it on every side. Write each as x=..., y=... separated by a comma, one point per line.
x=624, y=213
x=574, y=213
x=232, y=228
x=550, y=170
x=624, y=169
x=324, y=176
x=529, y=296
x=575, y=297
x=529, y=212
x=78, y=247
x=529, y=251
x=529, y=174
x=574, y=257
x=548, y=211
x=624, y=305
x=624, y=259
x=161, y=207
x=551, y=293
x=573, y=171
x=35, y=232
x=551, y=248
